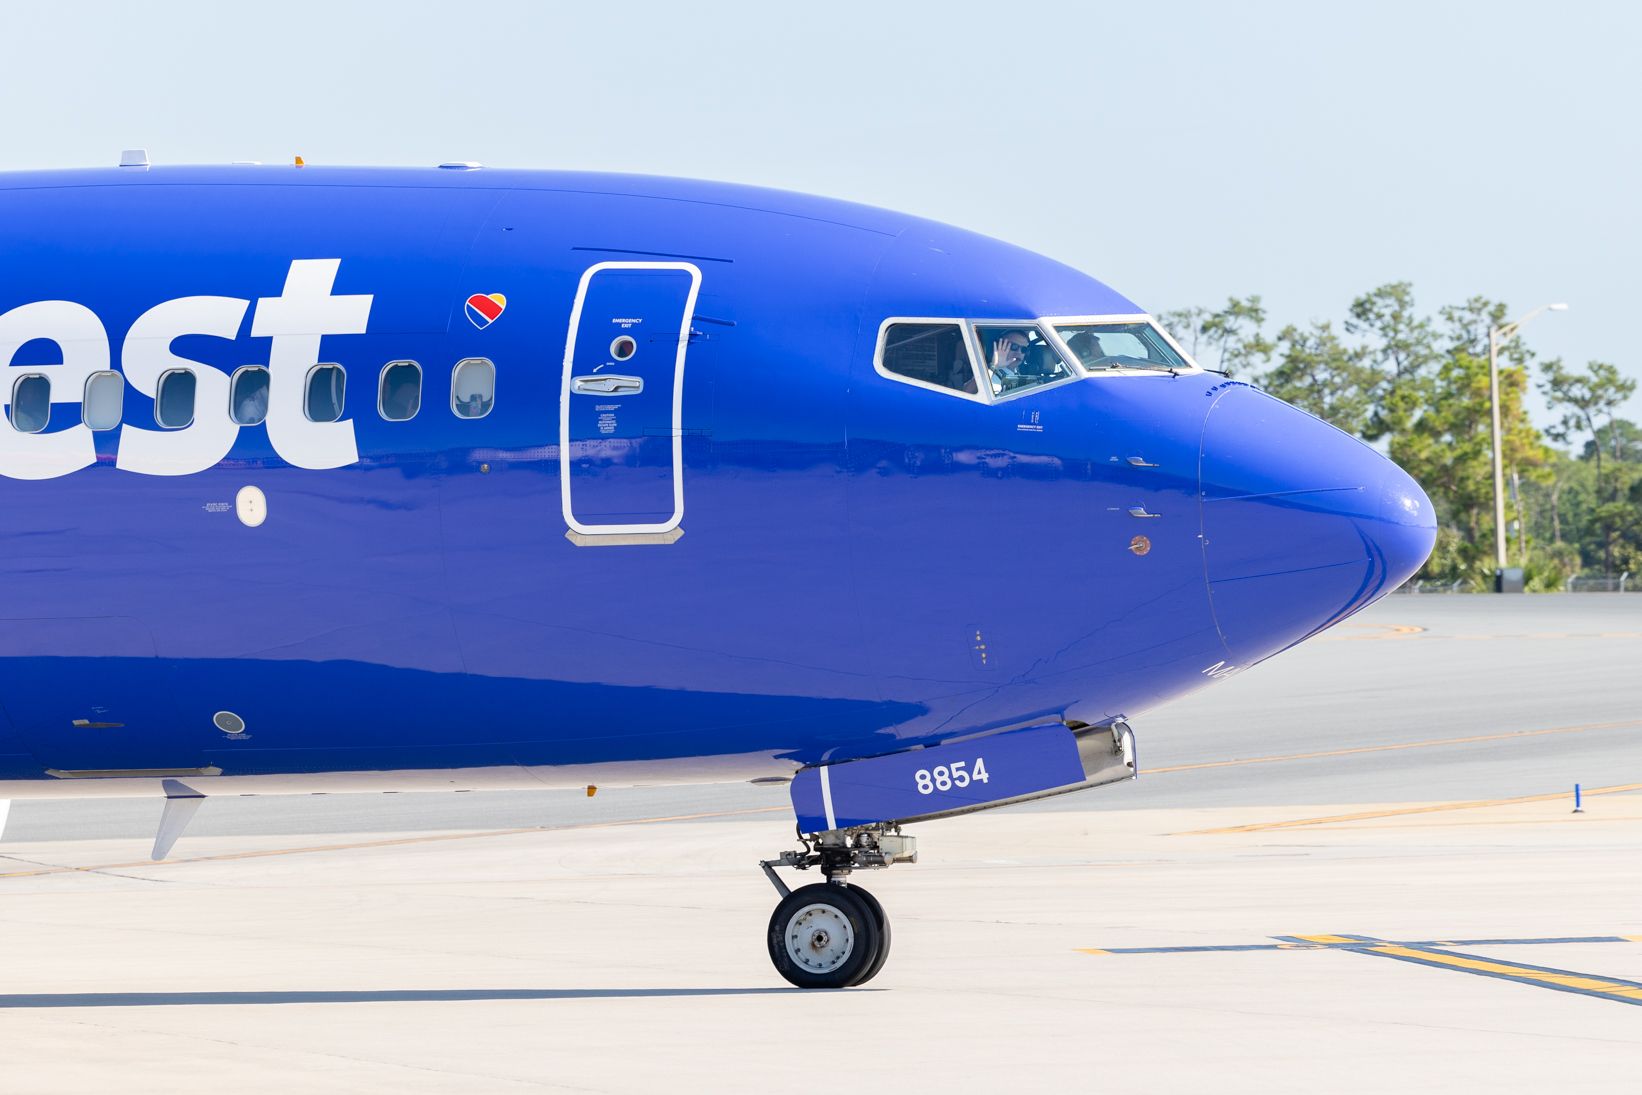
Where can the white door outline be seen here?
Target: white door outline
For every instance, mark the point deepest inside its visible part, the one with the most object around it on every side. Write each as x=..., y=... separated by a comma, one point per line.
x=678, y=401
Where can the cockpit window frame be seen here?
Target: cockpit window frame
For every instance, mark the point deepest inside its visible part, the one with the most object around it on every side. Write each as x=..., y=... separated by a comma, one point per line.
x=981, y=394
x=1050, y=323
x=1046, y=327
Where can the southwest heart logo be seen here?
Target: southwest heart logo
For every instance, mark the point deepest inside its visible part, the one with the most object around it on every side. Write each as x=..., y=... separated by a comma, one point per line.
x=483, y=309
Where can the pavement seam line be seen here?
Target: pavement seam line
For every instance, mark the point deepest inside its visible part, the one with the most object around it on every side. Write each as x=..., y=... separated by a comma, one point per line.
x=390, y=842
x=1431, y=743
x=1296, y=823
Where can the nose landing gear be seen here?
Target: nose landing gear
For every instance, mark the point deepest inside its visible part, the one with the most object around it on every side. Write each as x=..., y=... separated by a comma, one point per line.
x=833, y=935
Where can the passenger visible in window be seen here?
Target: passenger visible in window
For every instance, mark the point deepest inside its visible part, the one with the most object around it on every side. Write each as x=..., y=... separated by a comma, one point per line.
x=472, y=388
x=253, y=404
x=248, y=395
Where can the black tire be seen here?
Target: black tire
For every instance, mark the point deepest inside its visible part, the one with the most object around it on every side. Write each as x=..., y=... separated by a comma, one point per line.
x=823, y=937
x=878, y=914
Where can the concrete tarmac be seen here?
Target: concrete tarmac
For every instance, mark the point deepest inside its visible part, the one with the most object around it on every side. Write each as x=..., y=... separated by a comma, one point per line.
x=1352, y=869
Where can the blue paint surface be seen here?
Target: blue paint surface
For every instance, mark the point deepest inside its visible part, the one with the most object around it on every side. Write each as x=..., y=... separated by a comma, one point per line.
x=851, y=543
x=936, y=780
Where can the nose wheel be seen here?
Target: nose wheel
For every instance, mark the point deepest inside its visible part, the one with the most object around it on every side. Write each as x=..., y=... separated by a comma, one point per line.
x=828, y=936
x=832, y=935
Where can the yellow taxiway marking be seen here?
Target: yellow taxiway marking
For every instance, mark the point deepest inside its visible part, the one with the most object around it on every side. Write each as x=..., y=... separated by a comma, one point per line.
x=1440, y=807
x=1436, y=953
x=1377, y=632
x=1393, y=632
x=1628, y=991
x=1430, y=743
x=392, y=842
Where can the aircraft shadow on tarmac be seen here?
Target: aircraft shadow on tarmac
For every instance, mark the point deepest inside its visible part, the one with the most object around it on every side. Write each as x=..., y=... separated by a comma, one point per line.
x=345, y=996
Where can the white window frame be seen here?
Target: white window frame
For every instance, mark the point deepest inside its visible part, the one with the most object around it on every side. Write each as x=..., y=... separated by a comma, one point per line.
x=982, y=389
x=159, y=395
x=1049, y=323
x=421, y=386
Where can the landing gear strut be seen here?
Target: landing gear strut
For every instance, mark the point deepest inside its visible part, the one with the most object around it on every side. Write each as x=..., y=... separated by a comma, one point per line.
x=832, y=935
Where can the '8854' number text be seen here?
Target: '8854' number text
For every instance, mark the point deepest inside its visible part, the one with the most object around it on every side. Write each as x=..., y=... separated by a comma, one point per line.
x=944, y=777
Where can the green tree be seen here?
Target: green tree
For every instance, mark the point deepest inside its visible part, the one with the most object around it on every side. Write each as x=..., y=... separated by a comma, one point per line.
x=1319, y=373
x=1447, y=445
x=1589, y=402
x=1186, y=325
x=1621, y=437
x=1234, y=335
x=1401, y=346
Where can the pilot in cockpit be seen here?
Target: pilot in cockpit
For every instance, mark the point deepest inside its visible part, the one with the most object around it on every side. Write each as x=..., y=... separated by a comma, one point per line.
x=1086, y=344
x=960, y=373
x=1008, y=355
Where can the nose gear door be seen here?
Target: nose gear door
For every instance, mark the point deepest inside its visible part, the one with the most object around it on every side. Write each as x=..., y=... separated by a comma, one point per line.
x=621, y=469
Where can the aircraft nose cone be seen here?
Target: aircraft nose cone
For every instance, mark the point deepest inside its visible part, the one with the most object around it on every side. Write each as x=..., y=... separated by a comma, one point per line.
x=1302, y=524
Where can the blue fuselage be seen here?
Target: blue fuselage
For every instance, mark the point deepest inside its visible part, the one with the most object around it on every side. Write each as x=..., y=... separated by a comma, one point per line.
x=857, y=565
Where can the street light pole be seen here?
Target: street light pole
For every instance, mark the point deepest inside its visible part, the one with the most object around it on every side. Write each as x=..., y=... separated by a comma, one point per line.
x=1497, y=337
x=1499, y=455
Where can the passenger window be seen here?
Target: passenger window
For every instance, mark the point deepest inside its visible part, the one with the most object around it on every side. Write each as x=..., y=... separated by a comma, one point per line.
x=248, y=395
x=327, y=385
x=31, y=403
x=1101, y=347
x=174, y=399
x=399, y=395
x=472, y=387
x=1018, y=357
x=930, y=353
x=104, y=400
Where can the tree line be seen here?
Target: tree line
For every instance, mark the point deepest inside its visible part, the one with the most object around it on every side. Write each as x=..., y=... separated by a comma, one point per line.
x=1416, y=385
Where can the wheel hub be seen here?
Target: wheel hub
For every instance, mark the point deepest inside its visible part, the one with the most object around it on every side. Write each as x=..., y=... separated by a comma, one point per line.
x=819, y=938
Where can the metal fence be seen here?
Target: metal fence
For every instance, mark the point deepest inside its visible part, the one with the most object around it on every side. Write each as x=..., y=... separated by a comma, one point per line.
x=1576, y=584
x=1600, y=584
x=1427, y=585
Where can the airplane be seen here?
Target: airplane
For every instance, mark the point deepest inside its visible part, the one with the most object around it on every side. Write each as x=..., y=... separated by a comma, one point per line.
x=365, y=479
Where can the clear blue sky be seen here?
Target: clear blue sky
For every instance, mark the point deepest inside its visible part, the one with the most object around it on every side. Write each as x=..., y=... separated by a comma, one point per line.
x=1180, y=151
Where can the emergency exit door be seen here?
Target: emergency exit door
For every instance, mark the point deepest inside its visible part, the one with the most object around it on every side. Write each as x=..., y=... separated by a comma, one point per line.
x=621, y=468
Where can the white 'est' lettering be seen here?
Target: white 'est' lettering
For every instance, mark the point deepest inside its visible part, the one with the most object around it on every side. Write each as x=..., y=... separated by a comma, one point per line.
x=147, y=354
x=295, y=321
x=80, y=337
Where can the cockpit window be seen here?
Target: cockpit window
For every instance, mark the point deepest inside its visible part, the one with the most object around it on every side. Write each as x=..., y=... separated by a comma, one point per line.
x=930, y=353
x=1101, y=347
x=1018, y=357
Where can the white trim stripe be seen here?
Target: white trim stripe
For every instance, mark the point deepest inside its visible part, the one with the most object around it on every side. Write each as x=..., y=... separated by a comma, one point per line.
x=826, y=799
